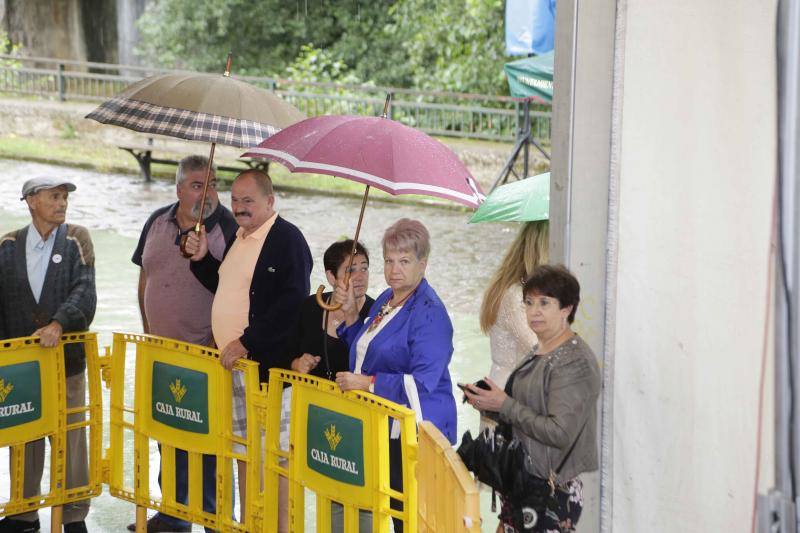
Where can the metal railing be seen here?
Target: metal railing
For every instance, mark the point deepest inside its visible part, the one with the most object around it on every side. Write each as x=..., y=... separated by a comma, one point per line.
x=440, y=113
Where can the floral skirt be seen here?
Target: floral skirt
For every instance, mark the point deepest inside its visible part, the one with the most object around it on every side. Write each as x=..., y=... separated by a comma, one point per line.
x=562, y=519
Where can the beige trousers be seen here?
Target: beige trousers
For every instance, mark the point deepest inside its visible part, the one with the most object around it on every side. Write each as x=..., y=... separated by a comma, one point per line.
x=77, y=467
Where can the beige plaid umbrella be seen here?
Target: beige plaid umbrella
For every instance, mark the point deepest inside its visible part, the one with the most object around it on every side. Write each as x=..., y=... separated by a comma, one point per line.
x=200, y=107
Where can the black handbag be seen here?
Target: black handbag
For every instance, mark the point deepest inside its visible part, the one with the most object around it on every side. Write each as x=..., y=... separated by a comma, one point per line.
x=500, y=463
x=492, y=458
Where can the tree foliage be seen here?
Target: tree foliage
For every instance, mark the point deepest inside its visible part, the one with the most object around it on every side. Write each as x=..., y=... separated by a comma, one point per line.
x=455, y=45
x=9, y=48
x=448, y=44
x=319, y=65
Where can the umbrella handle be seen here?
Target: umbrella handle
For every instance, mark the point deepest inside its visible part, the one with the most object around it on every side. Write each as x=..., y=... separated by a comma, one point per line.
x=322, y=303
x=333, y=307
x=184, y=238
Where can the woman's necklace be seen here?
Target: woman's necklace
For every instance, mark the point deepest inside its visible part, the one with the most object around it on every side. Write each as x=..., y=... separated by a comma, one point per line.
x=555, y=341
x=385, y=310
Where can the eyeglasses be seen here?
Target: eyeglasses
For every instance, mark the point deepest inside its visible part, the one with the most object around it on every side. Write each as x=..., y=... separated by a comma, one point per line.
x=539, y=301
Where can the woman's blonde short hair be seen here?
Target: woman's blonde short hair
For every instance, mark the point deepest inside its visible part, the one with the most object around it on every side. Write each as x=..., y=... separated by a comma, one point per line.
x=407, y=235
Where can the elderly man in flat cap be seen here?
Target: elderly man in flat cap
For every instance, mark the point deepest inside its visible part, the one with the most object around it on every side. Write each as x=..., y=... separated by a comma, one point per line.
x=47, y=288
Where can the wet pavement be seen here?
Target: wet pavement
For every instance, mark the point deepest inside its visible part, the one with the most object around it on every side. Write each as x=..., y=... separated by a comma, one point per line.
x=114, y=207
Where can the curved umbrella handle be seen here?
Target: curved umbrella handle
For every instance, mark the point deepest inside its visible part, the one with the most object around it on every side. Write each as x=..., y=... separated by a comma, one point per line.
x=184, y=238
x=322, y=303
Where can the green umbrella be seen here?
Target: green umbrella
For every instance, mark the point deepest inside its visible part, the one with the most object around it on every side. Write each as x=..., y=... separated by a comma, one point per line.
x=531, y=77
x=519, y=201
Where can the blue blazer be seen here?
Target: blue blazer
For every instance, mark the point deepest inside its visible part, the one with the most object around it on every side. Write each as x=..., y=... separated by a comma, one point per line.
x=410, y=356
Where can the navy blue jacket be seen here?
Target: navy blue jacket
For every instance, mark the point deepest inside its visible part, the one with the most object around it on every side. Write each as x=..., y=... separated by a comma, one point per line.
x=280, y=284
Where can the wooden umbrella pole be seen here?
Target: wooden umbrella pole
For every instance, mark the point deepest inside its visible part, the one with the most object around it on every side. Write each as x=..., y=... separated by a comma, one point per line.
x=202, y=202
x=205, y=188
x=321, y=288
x=199, y=222
x=388, y=101
x=228, y=64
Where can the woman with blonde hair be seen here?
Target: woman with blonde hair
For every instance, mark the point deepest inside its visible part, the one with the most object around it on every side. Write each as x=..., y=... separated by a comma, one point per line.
x=502, y=315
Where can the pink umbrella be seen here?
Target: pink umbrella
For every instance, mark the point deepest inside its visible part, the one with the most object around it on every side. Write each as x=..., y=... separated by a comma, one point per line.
x=375, y=151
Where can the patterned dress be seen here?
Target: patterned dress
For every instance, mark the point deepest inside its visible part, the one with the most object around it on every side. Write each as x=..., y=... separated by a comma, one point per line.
x=562, y=519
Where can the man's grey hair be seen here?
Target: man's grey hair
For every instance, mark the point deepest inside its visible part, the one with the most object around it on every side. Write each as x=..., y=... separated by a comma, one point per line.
x=192, y=163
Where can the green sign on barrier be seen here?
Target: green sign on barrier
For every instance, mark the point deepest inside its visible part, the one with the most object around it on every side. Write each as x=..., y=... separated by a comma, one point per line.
x=335, y=445
x=20, y=394
x=180, y=397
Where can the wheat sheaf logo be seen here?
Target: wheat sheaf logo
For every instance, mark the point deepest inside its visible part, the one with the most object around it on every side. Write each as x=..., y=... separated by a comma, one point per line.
x=5, y=389
x=178, y=390
x=333, y=437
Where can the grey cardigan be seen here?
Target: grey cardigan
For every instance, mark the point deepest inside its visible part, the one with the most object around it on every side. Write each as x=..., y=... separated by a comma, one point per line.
x=68, y=294
x=573, y=377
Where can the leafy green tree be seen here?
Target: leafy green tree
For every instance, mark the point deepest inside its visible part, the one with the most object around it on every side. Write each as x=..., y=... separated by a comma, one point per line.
x=9, y=48
x=264, y=35
x=454, y=45
x=318, y=65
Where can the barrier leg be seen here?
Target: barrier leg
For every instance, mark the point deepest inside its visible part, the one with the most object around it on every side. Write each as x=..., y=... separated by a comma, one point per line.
x=141, y=519
x=56, y=514
x=242, y=471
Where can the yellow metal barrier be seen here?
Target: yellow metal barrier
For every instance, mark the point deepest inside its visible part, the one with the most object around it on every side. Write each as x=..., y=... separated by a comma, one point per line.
x=33, y=405
x=183, y=400
x=440, y=472
x=181, y=397
x=338, y=449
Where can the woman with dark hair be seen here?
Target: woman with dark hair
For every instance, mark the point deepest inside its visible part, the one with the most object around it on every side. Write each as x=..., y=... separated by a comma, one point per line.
x=550, y=399
x=314, y=333
x=314, y=347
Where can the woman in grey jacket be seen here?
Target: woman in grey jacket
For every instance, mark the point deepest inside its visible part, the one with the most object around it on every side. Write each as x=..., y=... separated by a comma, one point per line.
x=550, y=398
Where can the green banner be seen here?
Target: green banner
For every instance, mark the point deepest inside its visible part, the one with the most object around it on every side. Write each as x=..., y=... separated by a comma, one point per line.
x=531, y=77
x=180, y=397
x=335, y=445
x=20, y=394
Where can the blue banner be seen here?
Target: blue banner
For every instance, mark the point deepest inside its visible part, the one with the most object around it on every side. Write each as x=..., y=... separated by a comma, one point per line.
x=530, y=26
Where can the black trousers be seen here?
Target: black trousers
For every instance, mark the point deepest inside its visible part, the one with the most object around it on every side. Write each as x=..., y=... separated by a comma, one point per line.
x=396, y=479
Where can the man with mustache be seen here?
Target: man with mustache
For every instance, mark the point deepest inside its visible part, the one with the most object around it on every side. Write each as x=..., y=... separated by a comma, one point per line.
x=47, y=288
x=173, y=303
x=259, y=286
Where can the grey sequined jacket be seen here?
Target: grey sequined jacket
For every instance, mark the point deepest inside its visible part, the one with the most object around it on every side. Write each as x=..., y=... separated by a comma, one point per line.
x=572, y=374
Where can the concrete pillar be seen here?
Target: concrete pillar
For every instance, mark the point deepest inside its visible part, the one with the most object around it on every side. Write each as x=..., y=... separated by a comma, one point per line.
x=581, y=140
x=663, y=171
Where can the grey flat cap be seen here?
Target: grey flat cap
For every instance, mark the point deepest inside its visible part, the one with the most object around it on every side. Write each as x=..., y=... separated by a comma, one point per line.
x=34, y=185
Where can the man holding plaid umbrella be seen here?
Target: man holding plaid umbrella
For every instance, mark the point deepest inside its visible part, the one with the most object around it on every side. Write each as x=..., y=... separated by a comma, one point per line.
x=174, y=304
